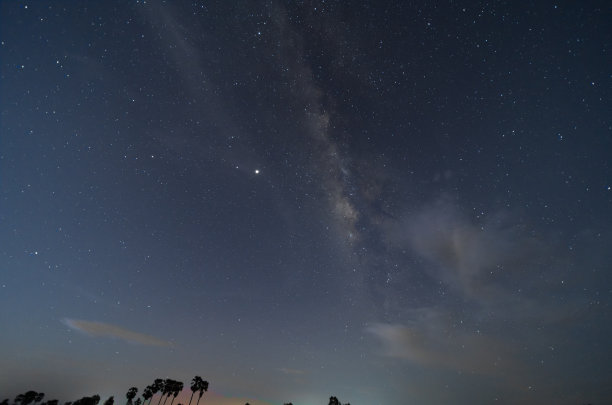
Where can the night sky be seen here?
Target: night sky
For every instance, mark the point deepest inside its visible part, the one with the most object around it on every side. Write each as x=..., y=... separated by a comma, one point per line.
x=392, y=202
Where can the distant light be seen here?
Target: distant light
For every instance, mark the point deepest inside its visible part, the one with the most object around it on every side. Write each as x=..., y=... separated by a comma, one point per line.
x=256, y=171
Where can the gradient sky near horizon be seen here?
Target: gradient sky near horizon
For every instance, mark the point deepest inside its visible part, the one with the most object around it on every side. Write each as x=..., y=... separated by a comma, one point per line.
x=392, y=202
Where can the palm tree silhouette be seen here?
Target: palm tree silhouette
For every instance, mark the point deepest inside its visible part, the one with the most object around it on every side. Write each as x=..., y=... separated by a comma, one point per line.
x=155, y=387
x=168, y=388
x=158, y=386
x=130, y=395
x=109, y=401
x=147, y=393
x=195, y=386
x=176, y=389
x=203, y=387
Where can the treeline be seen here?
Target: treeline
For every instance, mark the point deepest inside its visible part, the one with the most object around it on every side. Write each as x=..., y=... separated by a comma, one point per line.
x=165, y=387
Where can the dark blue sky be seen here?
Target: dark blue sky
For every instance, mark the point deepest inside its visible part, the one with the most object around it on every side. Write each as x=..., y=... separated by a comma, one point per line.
x=391, y=202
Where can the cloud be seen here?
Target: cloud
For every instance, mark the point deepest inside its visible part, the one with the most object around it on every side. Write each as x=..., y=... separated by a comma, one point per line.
x=291, y=371
x=432, y=340
x=468, y=255
x=100, y=329
x=494, y=315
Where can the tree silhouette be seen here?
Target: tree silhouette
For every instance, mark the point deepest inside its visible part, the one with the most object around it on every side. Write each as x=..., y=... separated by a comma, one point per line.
x=168, y=388
x=334, y=401
x=28, y=397
x=168, y=383
x=195, y=386
x=93, y=400
x=147, y=393
x=159, y=386
x=203, y=388
x=176, y=389
x=39, y=397
x=130, y=395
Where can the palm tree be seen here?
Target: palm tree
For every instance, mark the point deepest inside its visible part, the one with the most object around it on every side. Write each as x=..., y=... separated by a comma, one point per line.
x=195, y=386
x=155, y=387
x=159, y=386
x=110, y=401
x=203, y=387
x=176, y=389
x=168, y=388
x=138, y=401
x=130, y=395
x=147, y=393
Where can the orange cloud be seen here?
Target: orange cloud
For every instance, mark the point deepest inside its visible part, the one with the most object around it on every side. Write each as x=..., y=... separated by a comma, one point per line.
x=100, y=329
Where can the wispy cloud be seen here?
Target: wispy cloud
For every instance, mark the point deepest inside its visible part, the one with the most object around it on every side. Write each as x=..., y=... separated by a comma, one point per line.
x=100, y=329
x=291, y=371
x=430, y=339
x=491, y=272
x=467, y=255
